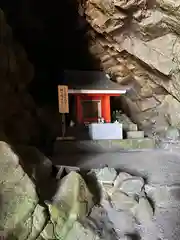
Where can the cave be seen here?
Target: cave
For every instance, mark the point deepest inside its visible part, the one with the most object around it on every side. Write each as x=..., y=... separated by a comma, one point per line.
x=126, y=40
x=54, y=37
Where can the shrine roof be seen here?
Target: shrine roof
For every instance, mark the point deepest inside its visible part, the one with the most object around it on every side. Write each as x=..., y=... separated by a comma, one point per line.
x=92, y=81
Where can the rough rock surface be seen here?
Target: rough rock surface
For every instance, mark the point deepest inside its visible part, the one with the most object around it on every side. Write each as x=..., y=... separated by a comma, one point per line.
x=16, y=72
x=124, y=199
x=138, y=43
x=22, y=216
x=21, y=121
x=64, y=217
x=68, y=213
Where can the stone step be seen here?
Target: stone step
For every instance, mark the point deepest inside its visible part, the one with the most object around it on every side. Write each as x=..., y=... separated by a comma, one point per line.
x=135, y=134
x=133, y=127
x=141, y=143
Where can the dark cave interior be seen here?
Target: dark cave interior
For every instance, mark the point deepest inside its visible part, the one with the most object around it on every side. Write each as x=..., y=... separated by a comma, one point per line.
x=53, y=35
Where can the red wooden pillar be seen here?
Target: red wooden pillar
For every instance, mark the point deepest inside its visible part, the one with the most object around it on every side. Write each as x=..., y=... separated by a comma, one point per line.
x=106, y=109
x=79, y=108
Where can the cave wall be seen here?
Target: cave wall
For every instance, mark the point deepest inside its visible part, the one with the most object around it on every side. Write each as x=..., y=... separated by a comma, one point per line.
x=53, y=35
x=54, y=39
x=22, y=121
x=138, y=44
x=16, y=105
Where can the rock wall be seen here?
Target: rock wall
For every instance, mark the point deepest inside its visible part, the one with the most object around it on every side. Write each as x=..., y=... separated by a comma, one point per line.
x=20, y=119
x=137, y=42
x=16, y=105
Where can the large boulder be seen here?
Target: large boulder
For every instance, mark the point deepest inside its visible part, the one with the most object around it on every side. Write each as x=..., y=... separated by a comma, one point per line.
x=22, y=215
x=17, y=193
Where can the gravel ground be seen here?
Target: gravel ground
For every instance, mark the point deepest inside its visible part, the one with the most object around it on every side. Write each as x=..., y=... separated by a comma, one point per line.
x=158, y=167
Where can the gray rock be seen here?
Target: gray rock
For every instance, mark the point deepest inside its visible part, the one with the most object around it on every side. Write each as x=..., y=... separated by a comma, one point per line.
x=19, y=200
x=121, y=201
x=101, y=223
x=39, y=168
x=143, y=211
x=164, y=196
x=107, y=189
x=72, y=196
x=122, y=221
x=79, y=232
x=172, y=133
x=36, y=163
x=120, y=178
x=132, y=186
x=125, y=238
x=105, y=175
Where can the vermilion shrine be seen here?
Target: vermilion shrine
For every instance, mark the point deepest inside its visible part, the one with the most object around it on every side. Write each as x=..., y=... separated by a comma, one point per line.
x=92, y=91
x=89, y=93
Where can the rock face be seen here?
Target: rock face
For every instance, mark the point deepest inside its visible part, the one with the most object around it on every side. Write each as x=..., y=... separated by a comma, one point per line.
x=122, y=198
x=22, y=217
x=20, y=119
x=138, y=42
x=16, y=72
x=72, y=214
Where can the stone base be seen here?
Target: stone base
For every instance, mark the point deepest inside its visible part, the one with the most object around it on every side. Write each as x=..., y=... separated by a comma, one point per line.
x=105, y=131
x=143, y=143
x=101, y=146
x=95, y=131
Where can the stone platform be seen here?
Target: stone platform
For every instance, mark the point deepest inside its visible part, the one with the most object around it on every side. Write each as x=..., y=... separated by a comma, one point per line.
x=96, y=131
x=101, y=146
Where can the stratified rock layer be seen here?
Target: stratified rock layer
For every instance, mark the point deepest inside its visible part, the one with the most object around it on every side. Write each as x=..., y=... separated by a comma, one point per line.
x=138, y=42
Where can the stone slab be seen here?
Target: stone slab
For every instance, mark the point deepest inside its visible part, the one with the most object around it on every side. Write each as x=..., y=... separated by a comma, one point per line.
x=144, y=143
x=102, y=146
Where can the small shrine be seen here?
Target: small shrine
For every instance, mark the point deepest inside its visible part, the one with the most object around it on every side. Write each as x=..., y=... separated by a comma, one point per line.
x=90, y=108
x=92, y=91
x=84, y=98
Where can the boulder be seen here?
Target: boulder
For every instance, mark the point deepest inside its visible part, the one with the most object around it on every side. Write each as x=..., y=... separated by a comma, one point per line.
x=172, y=134
x=71, y=203
x=163, y=196
x=123, y=221
x=143, y=211
x=120, y=178
x=104, y=175
x=22, y=217
x=132, y=186
x=122, y=201
x=18, y=194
